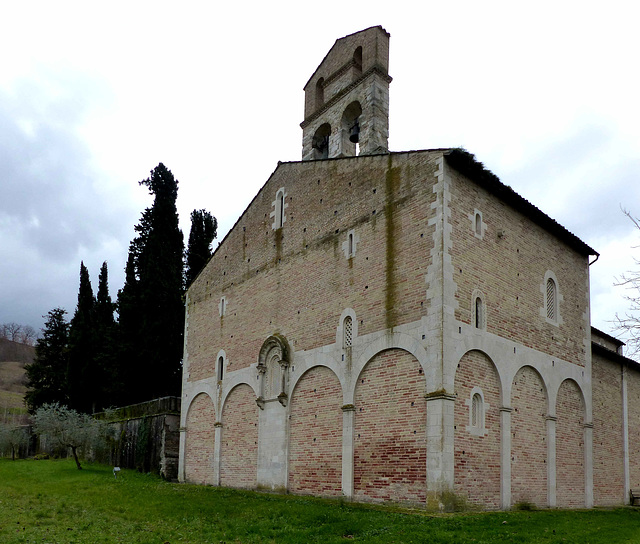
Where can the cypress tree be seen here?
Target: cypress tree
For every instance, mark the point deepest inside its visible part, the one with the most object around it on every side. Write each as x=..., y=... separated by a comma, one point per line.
x=46, y=376
x=107, y=371
x=82, y=375
x=203, y=231
x=128, y=339
x=150, y=304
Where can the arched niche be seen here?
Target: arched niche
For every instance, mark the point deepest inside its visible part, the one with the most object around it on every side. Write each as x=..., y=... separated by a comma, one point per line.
x=273, y=368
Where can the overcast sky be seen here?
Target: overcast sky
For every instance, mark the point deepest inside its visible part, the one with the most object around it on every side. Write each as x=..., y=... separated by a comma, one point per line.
x=93, y=96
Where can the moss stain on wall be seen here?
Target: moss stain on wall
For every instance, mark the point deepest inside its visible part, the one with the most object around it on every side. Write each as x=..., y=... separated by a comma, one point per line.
x=392, y=183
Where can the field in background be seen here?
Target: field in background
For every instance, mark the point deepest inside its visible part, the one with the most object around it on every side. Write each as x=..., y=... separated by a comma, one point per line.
x=12, y=390
x=51, y=501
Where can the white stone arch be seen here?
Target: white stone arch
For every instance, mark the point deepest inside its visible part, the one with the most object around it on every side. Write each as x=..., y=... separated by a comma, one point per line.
x=234, y=383
x=556, y=389
x=300, y=368
x=307, y=369
x=500, y=356
x=550, y=409
x=200, y=388
x=395, y=340
x=501, y=387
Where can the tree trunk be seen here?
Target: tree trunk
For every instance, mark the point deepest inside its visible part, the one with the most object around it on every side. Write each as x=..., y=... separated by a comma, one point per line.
x=75, y=456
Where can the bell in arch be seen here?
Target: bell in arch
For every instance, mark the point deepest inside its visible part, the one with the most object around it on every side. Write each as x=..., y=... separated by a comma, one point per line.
x=354, y=136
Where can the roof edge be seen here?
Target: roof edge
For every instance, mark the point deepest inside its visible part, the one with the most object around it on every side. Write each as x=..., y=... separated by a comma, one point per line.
x=467, y=164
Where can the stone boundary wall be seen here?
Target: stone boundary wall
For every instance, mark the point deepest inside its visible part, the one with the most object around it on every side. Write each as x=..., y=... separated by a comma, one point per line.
x=146, y=437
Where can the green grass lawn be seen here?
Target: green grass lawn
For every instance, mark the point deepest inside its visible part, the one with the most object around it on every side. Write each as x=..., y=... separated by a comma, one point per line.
x=53, y=502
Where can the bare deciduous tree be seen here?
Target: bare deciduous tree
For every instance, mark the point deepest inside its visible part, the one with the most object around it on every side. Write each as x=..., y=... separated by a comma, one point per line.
x=24, y=334
x=28, y=335
x=629, y=323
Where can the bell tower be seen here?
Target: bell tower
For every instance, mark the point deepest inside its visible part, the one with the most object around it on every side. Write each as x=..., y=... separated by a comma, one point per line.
x=346, y=106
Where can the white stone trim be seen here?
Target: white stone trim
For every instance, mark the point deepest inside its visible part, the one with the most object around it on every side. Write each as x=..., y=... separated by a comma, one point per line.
x=482, y=325
x=276, y=209
x=550, y=275
x=221, y=355
x=347, y=312
x=345, y=244
x=483, y=226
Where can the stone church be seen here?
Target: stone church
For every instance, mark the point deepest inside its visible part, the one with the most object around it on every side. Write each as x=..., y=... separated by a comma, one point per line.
x=401, y=326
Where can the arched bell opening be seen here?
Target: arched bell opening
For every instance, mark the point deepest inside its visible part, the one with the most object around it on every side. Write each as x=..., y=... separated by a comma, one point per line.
x=320, y=142
x=351, y=129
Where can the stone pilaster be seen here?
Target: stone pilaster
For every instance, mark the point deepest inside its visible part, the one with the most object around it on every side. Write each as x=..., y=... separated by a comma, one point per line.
x=217, y=447
x=440, y=453
x=348, y=417
x=505, y=454
x=551, y=461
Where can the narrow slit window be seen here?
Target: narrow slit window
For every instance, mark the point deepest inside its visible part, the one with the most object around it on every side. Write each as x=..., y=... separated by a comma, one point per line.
x=479, y=313
x=476, y=411
x=280, y=210
x=478, y=224
x=351, y=244
x=220, y=369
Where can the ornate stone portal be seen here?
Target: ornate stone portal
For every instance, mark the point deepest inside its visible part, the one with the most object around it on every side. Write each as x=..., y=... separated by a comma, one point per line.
x=273, y=371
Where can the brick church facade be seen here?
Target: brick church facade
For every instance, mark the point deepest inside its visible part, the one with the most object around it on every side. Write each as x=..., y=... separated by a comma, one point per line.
x=401, y=326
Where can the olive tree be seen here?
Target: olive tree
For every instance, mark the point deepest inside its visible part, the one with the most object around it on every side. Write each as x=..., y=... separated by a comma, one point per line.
x=67, y=428
x=12, y=438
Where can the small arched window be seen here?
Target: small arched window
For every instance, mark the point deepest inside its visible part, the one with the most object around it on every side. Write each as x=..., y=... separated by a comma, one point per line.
x=479, y=313
x=320, y=93
x=220, y=368
x=477, y=415
x=357, y=62
x=347, y=332
x=222, y=307
x=552, y=300
x=351, y=244
x=279, y=206
x=478, y=224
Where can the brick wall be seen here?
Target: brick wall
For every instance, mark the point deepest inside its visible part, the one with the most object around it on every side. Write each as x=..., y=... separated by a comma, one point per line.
x=477, y=458
x=509, y=270
x=302, y=276
x=200, y=441
x=239, y=451
x=570, y=447
x=315, y=434
x=389, y=431
x=608, y=455
x=528, y=439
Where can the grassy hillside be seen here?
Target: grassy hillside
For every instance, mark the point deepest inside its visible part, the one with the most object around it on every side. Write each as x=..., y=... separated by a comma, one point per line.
x=52, y=501
x=13, y=380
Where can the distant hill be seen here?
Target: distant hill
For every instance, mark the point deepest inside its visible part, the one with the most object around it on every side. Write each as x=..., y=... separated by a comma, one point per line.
x=13, y=383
